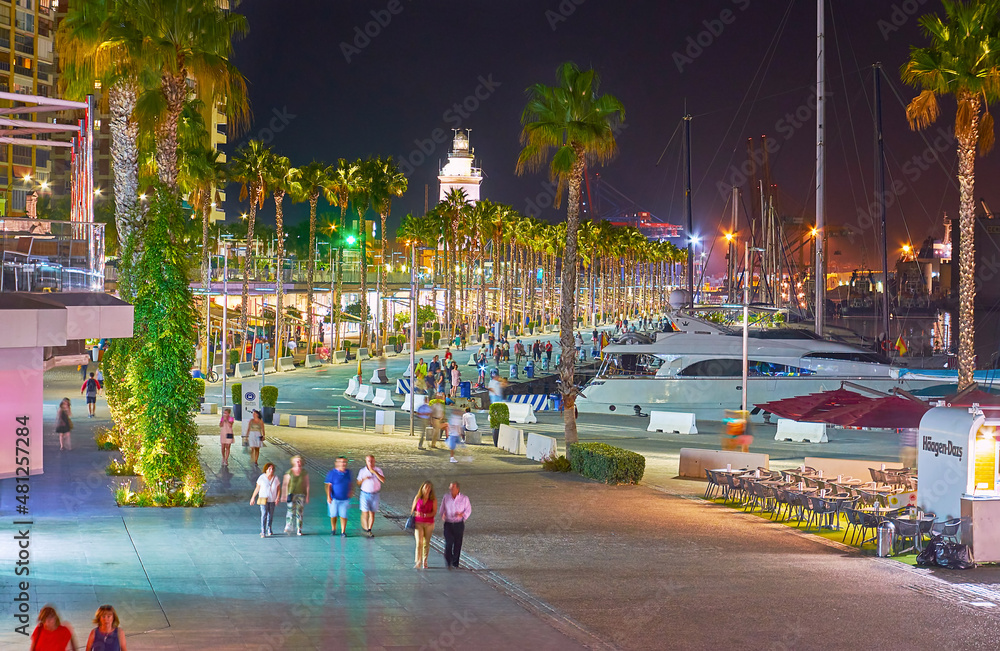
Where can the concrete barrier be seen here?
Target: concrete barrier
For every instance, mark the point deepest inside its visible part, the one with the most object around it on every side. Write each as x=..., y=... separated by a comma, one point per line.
x=406, y=348
x=383, y=398
x=291, y=420
x=511, y=439
x=312, y=361
x=538, y=401
x=856, y=468
x=352, y=386
x=363, y=353
x=540, y=447
x=209, y=408
x=365, y=393
x=418, y=400
x=389, y=351
x=379, y=376
x=676, y=422
x=793, y=430
x=473, y=339
x=408, y=372
x=472, y=360
x=266, y=366
x=244, y=370
x=403, y=386
x=339, y=357
x=694, y=461
x=521, y=413
x=385, y=421
x=286, y=364
x=220, y=370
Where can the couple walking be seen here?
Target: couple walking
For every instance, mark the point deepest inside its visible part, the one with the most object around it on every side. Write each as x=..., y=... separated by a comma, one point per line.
x=268, y=491
x=340, y=489
x=454, y=510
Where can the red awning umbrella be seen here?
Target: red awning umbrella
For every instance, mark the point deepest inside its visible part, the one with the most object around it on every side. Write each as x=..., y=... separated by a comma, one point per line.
x=969, y=398
x=803, y=407
x=890, y=412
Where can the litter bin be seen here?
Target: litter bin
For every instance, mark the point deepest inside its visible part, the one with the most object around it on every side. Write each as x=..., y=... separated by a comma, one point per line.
x=529, y=370
x=513, y=372
x=885, y=536
x=555, y=401
x=465, y=389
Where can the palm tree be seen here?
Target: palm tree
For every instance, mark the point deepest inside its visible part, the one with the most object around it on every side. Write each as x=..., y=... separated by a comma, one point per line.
x=248, y=168
x=189, y=39
x=963, y=60
x=312, y=181
x=385, y=182
x=452, y=206
x=361, y=198
x=341, y=185
x=282, y=179
x=579, y=125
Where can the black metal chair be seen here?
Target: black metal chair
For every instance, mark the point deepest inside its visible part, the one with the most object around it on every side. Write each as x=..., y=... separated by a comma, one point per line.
x=906, y=530
x=949, y=529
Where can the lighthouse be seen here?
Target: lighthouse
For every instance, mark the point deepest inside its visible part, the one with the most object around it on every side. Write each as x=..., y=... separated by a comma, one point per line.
x=459, y=172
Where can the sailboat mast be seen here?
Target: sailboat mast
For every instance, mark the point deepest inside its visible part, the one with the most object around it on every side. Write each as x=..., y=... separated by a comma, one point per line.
x=820, y=276
x=880, y=196
x=687, y=208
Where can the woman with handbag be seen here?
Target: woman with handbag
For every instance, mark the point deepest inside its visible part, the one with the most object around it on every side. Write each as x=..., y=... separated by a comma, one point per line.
x=265, y=495
x=422, y=511
x=255, y=436
x=226, y=434
x=64, y=424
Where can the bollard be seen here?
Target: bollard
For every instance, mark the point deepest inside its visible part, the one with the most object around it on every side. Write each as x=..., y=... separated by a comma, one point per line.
x=338, y=417
x=364, y=420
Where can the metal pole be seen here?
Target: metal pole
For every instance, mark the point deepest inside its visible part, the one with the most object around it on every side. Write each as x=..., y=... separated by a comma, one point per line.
x=880, y=198
x=413, y=327
x=820, y=278
x=746, y=318
x=731, y=267
x=225, y=318
x=687, y=208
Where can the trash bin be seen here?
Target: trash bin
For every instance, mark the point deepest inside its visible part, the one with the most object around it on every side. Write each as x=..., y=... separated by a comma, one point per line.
x=529, y=370
x=465, y=389
x=545, y=363
x=513, y=372
x=555, y=400
x=885, y=536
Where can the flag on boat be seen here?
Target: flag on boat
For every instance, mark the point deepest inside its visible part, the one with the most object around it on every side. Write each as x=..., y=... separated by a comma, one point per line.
x=900, y=345
x=604, y=342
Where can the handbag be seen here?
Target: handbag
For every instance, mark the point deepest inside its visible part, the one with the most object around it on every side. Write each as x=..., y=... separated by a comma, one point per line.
x=411, y=522
x=261, y=501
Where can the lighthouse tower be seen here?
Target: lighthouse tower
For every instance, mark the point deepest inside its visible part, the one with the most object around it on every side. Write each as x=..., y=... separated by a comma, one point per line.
x=458, y=172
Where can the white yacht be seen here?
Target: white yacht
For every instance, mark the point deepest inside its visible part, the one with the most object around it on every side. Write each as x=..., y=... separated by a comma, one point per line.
x=699, y=368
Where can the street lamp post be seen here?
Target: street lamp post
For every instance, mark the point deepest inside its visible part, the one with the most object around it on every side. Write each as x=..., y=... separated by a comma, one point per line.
x=413, y=327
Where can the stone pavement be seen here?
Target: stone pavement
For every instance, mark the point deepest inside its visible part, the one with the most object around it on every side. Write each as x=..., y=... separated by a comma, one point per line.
x=204, y=579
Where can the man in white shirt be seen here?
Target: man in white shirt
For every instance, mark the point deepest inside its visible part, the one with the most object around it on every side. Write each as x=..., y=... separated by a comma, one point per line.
x=469, y=423
x=370, y=479
x=454, y=511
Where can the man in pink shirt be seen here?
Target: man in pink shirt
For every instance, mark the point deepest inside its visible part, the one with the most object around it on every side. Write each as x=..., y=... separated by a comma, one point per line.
x=455, y=509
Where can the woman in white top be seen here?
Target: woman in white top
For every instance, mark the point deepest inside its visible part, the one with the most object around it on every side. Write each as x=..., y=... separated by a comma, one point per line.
x=265, y=494
x=255, y=435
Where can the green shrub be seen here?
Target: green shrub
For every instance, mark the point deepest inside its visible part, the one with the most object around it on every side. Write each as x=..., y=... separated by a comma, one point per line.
x=116, y=468
x=234, y=357
x=237, y=389
x=269, y=395
x=482, y=330
x=105, y=439
x=607, y=463
x=556, y=464
x=499, y=415
x=436, y=337
x=200, y=386
x=347, y=345
x=428, y=338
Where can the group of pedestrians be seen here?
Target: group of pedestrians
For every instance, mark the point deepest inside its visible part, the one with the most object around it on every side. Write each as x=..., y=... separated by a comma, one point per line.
x=51, y=634
x=293, y=489
x=453, y=510
x=435, y=378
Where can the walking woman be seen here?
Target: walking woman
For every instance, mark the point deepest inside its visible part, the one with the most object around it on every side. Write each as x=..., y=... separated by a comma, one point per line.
x=226, y=434
x=51, y=634
x=64, y=424
x=108, y=636
x=424, y=507
x=265, y=495
x=456, y=378
x=255, y=436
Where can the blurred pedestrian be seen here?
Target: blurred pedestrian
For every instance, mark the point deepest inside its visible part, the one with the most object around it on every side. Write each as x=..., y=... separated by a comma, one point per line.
x=108, y=636
x=295, y=488
x=437, y=419
x=339, y=491
x=265, y=495
x=226, y=434
x=64, y=424
x=454, y=432
x=370, y=479
x=423, y=508
x=51, y=634
x=455, y=510
x=255, y=436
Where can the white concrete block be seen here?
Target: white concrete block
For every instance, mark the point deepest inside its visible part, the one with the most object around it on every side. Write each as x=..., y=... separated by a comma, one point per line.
x=540, y=447
x=793, y=430
x=511, y=439
x=383, y=398
x=672, y=421
x=352, y=386
x=521, y=413
x=365, y=393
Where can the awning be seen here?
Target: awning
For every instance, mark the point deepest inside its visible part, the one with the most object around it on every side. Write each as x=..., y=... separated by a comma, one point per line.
x=802, y=407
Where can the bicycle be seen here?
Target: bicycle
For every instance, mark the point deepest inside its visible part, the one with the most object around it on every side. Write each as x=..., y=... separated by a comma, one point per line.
x=212, y=376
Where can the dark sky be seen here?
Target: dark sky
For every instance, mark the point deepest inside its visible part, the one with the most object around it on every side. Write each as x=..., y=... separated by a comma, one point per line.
x=749, y=70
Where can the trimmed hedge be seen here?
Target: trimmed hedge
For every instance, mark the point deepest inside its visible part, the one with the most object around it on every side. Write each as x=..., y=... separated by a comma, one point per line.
x=269, y=396
x=607, y=463
x=237, y=392
x=499, y=415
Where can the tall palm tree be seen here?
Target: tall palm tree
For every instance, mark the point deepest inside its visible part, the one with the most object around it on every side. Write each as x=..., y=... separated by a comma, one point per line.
x=249, y=168
x=453, y=207
x=312, y=180
x=341, y=185
x=282, y=179
x=361, y=199
x=190, y=39
x=963, y=60
x=579, y=124
x=385, y=182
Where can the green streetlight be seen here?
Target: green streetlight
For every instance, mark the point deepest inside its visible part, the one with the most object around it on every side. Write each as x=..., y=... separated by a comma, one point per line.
x=351, y=240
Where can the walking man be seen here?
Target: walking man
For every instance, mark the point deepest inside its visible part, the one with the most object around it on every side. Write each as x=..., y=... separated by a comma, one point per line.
x=370, y=479
x=338, y=495
x=548, y=353
x=454, y=511
x=295, y=487
x=90, y=387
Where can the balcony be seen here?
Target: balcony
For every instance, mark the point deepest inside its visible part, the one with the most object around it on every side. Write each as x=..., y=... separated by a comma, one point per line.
x=21, y=70
x=51, y=256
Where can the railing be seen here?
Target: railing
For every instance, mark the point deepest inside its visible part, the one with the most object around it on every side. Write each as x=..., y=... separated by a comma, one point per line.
x=51, y=256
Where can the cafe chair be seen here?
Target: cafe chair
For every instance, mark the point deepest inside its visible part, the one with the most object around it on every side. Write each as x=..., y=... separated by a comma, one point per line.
x=949, y=529
x=713, y=484
x=907, y=530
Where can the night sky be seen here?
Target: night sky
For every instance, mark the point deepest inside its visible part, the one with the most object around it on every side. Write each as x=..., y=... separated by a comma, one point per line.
x=742, y=68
